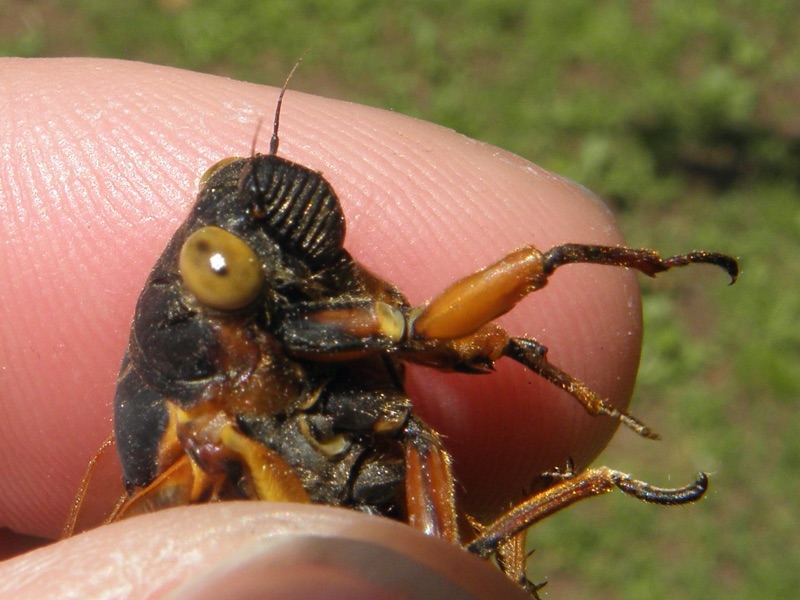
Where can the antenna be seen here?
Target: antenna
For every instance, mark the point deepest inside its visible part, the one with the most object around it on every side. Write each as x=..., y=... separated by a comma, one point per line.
x=273, y=143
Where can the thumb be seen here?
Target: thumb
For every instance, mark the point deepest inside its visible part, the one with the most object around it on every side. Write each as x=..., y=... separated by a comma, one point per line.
x=254, y=550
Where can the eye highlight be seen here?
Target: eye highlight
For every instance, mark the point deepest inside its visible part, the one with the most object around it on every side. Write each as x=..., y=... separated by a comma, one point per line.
x=220, y=269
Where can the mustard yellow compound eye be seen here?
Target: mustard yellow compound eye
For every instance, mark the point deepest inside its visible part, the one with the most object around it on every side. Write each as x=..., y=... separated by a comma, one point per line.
x=220, y=269
x=214, y=168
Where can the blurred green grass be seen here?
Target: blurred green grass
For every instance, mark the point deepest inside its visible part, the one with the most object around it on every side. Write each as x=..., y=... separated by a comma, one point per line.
x=684, y=116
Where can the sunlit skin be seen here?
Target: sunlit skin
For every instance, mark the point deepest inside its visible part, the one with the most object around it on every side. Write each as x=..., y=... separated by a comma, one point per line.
x=85, y=222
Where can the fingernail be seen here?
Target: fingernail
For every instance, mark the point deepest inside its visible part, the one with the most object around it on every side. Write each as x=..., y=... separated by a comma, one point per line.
x=308, y=566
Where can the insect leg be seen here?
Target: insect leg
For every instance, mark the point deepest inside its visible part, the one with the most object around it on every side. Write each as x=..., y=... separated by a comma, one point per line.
x=533, y=355
x=593, y=482
x=272, y=478
x=477, y=299
x=648, y=262
x=478, y=352
x=340, y=330
x=430, y=496
x=183, y=482
x=512, y=558
x=218, y=448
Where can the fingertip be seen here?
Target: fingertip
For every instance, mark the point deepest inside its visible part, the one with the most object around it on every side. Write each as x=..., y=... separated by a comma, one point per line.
x=115, y=168
x=306, y=566
x=254, y=549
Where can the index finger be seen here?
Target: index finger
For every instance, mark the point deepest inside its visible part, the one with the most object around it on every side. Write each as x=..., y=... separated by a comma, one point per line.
x=100, y=164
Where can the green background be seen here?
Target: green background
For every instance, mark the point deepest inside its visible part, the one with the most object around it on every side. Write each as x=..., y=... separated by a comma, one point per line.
x=684, y=116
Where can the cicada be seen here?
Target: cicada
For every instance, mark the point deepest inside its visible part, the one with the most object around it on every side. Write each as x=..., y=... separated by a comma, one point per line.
x=265, y=363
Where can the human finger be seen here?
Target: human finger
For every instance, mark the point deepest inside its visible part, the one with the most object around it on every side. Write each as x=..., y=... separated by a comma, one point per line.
x=101, y=166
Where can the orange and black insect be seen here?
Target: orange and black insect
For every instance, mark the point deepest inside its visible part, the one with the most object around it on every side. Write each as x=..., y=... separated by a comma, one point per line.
x=265, y=363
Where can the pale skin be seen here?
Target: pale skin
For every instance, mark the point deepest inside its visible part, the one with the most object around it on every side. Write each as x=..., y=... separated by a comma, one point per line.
x=100, y=163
